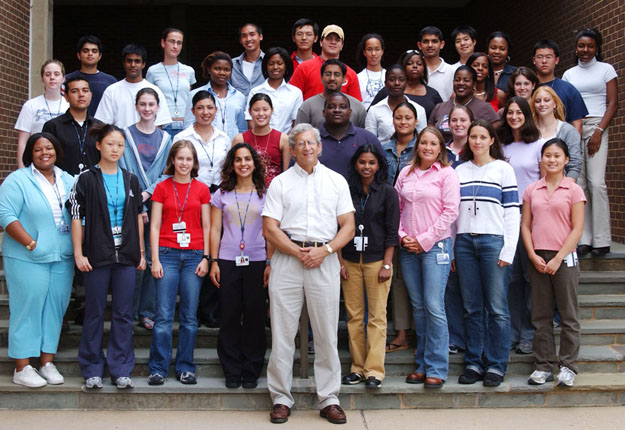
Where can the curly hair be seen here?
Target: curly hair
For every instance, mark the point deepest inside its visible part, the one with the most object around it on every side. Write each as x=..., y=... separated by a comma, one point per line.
x=229, y=177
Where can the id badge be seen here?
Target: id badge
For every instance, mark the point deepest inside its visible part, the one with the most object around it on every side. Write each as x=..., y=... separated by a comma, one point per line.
x=361, y=243
x=179, y=227
x=443, y=257
x=571, y=259
x=64, y=228
x=177, y=125
x=242, y=260
x=117, y=236
x=184, y=239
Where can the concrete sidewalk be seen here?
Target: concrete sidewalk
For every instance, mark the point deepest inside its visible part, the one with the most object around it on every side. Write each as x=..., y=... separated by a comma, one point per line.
x=431, y=419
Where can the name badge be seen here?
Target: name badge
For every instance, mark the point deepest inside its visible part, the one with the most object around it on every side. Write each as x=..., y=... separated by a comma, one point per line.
x=177, y=125
x=571, y=259
x=361, y=243
x=242, y=260
x=179, y=227
x=184, y=239
x=64, y=228
x=443, y=257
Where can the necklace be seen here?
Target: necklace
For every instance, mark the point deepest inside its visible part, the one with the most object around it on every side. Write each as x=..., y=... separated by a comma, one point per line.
x=476, y=189
x=480, y=94
x=48, y=106
x=256, y=142
x=175, y=93
x=464, y=104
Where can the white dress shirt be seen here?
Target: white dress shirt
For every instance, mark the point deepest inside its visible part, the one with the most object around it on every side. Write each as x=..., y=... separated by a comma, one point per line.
x=286, y=100
x=379, y=119
x=55, y=194
x=211, y=155
x=442, y=79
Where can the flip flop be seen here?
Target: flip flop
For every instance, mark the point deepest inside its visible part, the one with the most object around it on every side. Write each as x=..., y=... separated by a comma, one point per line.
x=146, y=323
x=392, y=347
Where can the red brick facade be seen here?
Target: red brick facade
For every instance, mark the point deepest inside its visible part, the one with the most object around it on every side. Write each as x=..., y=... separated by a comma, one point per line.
x=14, y=39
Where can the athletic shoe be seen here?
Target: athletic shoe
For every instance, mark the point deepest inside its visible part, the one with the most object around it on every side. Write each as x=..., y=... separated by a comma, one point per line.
x=352, y=379
x=187, y=378
x=373, y=382
x=566, y=377
x=492, y=379
x=538, y=377
x=156, y=379
x=470, y=376
x=28, y=377
x=123, y=382
x=93, y=382
x=50, y=373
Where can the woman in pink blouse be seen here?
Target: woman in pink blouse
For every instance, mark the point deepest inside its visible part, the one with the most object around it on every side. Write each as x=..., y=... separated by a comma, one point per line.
x=429, y=195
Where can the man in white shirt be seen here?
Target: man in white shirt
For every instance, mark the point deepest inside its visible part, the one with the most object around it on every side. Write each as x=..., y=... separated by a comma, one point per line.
x=440, y=74
x=117, y=105
x=297, y=220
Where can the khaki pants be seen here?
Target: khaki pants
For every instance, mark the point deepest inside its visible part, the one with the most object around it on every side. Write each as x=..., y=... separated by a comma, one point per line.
x=402, y=310
x=367, y=351
x=563, y=287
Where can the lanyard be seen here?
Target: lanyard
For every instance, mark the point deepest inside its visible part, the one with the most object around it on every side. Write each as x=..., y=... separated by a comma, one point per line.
x=81, y=141
x=59, y=198
x=116, y=194
x=222, y=109
x=242, y=220
x=48, y=106
x=184, y=205
x=363, y=203
x=172, y=86
x=210, y=159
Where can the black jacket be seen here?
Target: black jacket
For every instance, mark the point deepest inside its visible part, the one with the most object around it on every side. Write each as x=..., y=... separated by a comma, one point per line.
x=87, y=201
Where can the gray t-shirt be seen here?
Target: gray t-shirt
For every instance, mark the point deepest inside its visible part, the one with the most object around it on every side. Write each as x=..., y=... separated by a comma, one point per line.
x=147, y=144
x=311, y=111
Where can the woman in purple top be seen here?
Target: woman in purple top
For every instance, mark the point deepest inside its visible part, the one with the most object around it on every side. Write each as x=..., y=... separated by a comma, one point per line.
x=241, y=270
x=521, y=147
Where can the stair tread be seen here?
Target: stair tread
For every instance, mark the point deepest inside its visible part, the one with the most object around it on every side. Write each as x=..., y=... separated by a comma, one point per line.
x=601, y=299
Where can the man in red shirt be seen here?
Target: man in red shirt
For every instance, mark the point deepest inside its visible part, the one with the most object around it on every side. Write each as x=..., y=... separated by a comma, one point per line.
x=305, y=33
x=307, y=76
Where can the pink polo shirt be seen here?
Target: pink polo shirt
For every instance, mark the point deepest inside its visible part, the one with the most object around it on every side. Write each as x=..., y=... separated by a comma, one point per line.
x=428, y=203
x=551, y=216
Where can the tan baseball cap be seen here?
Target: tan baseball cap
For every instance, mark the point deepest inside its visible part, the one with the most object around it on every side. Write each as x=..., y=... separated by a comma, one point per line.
x=333, y=28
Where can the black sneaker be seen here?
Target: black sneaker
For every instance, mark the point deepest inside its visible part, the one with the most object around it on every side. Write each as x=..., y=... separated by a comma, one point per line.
x=373, y=382
x=352, y=379
x=249, y=384
x=455, y=349
x=156, y=379
x=492, y=379
x=233, y=382
x=600, y=251
x=187, y=378
x=583, y=249
x=470, y=376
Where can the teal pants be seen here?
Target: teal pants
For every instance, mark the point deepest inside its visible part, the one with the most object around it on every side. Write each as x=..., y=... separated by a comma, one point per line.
x=38, y=297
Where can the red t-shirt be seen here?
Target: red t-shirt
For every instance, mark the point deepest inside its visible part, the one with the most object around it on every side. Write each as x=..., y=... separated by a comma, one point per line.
x=307, y=77
x=199, y=195
x=268, y=147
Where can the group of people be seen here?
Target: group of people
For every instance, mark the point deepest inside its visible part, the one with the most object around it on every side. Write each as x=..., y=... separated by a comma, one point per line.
x=466, y=190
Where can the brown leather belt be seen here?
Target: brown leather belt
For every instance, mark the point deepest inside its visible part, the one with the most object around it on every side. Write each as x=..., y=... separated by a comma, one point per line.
x=308, y=244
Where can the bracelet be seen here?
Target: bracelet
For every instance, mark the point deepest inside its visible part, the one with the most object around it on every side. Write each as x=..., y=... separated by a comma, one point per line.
x=207, y=258
x=143, y=251
x=268, y=262
x=600, y=129
x=31, y=245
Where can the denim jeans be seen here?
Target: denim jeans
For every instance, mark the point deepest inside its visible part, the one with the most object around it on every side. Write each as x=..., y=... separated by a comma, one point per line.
x=425, y=281
x=144, y=302
x=178, y=272
x=520, y=298
x=454, y=311
x=484, y=287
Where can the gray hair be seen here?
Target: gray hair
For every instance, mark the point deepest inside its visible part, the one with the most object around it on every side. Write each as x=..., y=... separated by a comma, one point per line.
x=301, y=128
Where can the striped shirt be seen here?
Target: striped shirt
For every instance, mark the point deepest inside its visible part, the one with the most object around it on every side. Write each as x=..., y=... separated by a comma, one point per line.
x=489, y=203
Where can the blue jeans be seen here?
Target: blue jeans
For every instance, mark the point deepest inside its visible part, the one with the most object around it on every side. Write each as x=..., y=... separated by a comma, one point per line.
x=454, y=311
x=520, y=298
x=144, y=303
x=178, y=272
x=425, y=281
x=484, y=287
x=172, y=131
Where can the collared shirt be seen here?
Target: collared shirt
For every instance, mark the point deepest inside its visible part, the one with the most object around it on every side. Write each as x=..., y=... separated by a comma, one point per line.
x=311, y=111
x=211, y=155
x=336, y=154
x=55, y=194
x=98, y=82
x=230, y=116
x=308, y=205
x=380, y=119
x=307, y=77
x=551, y=215
x=396, y=162
x=504, y=77
x=238, y=78
x=428, y=203
x=286, y=100
x=297, y=61
x=378, y=214
x=72, y=137
x=442, y=79
x=452, y=156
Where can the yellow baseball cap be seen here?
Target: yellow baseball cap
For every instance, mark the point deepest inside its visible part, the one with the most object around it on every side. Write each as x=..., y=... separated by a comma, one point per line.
x=333, y=28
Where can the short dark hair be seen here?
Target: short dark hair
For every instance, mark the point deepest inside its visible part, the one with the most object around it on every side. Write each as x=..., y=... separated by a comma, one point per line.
x=288, y=72
x=353, y=178
x=414, y=111
x=360, y=57
x=336, y=94
x=147, y=90
x=557, y=142
x=258, y=28
x=405, y=58
x=464, y=29
x=260, y=96
x=547, y=44
x=182, y=143
x=334, y=62
x=202, y=95
x=529, y=131
x=89, y=39
x=210, y=59
x=465, y=68
x=505, y=36
x=495, y=150
x=27, y=156
x=170, y=30
x=134, y=48
x=302, y=22
x=100, y=131
x=430, y=29
x=593, y=33
x=75, y=78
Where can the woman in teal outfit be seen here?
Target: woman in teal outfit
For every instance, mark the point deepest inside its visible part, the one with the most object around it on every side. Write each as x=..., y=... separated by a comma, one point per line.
x=38, y=258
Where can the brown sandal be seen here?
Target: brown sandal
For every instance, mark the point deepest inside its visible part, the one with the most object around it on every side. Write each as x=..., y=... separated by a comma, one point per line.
x=392, y=347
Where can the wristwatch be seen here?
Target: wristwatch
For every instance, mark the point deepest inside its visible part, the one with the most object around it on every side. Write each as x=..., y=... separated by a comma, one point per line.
x=329, y=248
x=386, y=266
x=268, y=262
x=32, y=243
x=207, y=258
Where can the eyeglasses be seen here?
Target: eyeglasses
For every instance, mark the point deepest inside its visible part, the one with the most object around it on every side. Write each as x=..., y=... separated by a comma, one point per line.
x=548, y=57
x=303, y=143
x=175, y=42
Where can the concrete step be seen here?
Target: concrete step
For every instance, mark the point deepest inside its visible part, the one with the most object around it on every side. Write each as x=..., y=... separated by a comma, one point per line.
x=592, y=359
x=602, y=306
x=604, y=282
x=211, y=394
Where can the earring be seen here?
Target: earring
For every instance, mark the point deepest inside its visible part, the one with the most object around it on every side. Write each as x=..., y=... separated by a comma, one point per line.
x=508, y=59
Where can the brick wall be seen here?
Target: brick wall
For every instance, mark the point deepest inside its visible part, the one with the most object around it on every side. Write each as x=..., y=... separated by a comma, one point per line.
x=14, y=35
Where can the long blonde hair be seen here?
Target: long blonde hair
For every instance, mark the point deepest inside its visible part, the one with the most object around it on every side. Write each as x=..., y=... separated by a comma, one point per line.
x=442, y=156
x=558, y=111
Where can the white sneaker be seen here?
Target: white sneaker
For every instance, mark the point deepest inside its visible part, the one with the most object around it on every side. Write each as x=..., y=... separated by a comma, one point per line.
x=93, y=382
x=50, y=373
x=124, y=382
x=566, y=377
x=538, y=377
x=28, y=377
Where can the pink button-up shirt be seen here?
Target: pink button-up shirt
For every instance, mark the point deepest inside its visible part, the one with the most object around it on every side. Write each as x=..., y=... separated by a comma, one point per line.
x=428, y=203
